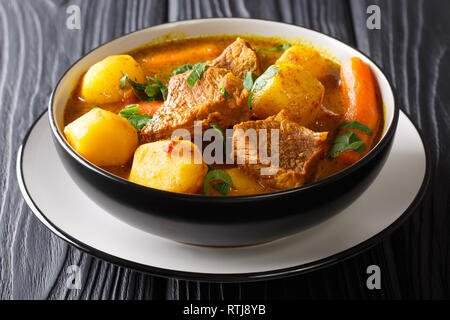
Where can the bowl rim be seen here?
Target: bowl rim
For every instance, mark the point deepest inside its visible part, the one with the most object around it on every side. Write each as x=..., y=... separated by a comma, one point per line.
x=385, y=139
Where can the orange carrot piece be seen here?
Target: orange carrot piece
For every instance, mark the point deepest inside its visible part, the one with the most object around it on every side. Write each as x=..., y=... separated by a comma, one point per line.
x=358, y=89
x=175, y=56
x=150, y=107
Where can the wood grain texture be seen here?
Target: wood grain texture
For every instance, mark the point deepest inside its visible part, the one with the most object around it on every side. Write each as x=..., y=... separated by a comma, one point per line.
x=36, y=48
x=413, y=47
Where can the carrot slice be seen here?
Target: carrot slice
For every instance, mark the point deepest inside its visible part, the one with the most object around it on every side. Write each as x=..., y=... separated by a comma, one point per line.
x=358, y=89
x=150, y=107
x=186, y=54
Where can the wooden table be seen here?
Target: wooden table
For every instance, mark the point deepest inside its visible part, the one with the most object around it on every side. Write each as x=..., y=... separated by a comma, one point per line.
x=412, y=46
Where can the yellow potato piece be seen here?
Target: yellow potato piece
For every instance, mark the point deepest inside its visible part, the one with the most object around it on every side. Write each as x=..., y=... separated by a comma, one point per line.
x=101, y=84
x=308, y=58
x=243, y=184
x=293, y=89
x=102, y=137
x=170, y=165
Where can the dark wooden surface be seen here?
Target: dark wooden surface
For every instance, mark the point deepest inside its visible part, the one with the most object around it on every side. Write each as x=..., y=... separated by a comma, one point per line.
x=412, y=47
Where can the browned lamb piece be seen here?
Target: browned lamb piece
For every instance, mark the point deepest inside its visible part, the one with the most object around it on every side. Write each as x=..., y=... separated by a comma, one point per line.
x=239, y=58
x=204, y=102
x=299, y=150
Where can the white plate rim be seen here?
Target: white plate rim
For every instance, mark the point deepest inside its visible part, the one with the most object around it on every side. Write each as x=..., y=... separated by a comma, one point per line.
x=234, y=277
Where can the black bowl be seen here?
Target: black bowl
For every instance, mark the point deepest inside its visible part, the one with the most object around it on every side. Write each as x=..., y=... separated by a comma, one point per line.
x=211, y=220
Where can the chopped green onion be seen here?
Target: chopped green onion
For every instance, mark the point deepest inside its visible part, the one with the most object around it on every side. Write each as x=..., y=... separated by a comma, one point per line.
x=250, y=97
x=221, y=187
x=219, y=129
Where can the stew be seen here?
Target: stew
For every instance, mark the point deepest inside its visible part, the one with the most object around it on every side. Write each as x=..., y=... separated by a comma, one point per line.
x=224, y=115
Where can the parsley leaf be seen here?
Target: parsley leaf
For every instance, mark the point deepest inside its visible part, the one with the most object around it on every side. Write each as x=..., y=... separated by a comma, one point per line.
x=157, y=89
x=278, y=48
x=261, y=81
x=137, y=120
x=154, y=89
x=248, y=80
x=182, y=69
x=346, y=141
x=267, y=75
x=349, y=140
x=357, y=126
x=196, y=74
x=225, y=93
x=222, y=187
x=123, y=82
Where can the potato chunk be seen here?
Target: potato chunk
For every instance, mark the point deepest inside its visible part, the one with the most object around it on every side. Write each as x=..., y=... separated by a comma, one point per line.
x=243, y=184
x=170, y=165
x=293, y=89
x=102, y=137
x=308, y=58
x=101, y=83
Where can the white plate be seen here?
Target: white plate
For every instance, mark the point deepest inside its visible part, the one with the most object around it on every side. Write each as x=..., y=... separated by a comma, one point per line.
x=57, y=201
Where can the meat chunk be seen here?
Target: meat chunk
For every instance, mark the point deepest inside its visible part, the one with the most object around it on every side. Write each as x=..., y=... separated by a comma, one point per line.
x=204, y=102
x=326, y=119
x=298, y=150
x=239, y=58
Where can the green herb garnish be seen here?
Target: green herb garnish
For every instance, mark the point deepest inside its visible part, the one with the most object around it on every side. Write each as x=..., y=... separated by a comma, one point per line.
x=182, y=69
x=157, y=89
x=250, y=97
x=221, y=187
x=349, y=140
x=248, y=80
x=196, y=74
x=219, y=129
x=357, y=126
x=225, y=93
x=137, y=120
x=278, y=48
x=267, y=75
x=95, y=107
x=154, y=89
x=123, y=81
x=128, y=110
x=261, y=81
